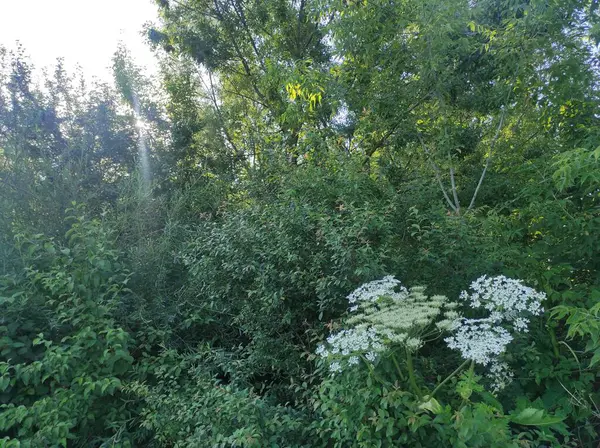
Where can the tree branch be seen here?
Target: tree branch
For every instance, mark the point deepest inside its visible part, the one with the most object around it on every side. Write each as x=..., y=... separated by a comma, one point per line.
x=238, y=52
x=487, y=162
x=437, y=172
x=454, y=193
x=241, y=95
x=240, y=13
x=453, y=184
x=213, y=97
x=493, y=144
x=383, y=141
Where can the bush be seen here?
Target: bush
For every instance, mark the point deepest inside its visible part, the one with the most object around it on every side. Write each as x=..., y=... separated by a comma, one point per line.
x=64, y=357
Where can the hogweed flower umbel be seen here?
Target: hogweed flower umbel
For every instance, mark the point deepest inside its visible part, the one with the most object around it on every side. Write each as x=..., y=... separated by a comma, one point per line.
x=372, y=291
x=509, y=304
x=385, y=313
x=479, y=340
x=507, y=299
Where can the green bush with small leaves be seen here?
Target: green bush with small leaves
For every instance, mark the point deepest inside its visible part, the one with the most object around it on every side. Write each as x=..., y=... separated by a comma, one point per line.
x=65, y=357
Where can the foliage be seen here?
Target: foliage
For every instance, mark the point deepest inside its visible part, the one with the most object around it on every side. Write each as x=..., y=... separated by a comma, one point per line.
x=357, y=411
x=188, y=406
x=260, y=275
x=289, y=152
x=64, y=357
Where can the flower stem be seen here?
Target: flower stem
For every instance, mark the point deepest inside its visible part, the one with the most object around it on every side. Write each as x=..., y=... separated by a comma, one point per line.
x=400, y=374
x=411, y=374
x=555, y=347
x=458, y=369
x=372, y=372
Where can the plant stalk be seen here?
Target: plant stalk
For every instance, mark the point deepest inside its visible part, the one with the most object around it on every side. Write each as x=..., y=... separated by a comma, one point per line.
x=458, y=369
x=411, y=374
x=400, y=374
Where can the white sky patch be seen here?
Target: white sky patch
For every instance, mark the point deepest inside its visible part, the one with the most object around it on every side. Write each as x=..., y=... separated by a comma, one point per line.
x=84, y=32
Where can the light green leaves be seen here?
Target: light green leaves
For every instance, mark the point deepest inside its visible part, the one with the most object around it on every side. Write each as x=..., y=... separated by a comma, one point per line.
x=578, y=167
x=431, y=405
x=535, y=417
x=468, y=383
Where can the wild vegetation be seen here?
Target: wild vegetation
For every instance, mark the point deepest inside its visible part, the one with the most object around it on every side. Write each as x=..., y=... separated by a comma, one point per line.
x=328, y=223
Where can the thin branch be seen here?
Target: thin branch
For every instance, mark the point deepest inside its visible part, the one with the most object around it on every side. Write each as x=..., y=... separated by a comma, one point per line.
x=241, y=95
x=436, y=170
x=493, y=144
x=383, y=141
x=238, y=52
x=240, y=13
x=454, y=193
x=439, y=386
x=301, y=18
x=489, y=158
x=453, y=184
x=228, y=68
x=213, y=97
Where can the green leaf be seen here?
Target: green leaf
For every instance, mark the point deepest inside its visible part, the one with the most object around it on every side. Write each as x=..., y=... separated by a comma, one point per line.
x=431, y=405
x=535, y=417
x=595, y=358
x=4, y=383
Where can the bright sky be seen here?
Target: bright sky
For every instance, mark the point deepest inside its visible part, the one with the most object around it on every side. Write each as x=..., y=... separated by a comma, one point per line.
x=84, y=32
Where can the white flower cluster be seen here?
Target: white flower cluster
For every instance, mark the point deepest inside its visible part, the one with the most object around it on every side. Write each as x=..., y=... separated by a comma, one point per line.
x=479, y=340
x=510, y=305
x=348, y=345
x=382, y=316
x=507, y=300
x=400, y=319
x=372, y=291
x=500, y=376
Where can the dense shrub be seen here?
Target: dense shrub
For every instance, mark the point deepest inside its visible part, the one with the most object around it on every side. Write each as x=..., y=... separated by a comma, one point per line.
x=65, y=358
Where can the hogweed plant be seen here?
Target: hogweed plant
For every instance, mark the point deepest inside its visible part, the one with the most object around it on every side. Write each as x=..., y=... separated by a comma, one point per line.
x=509, y=305
x=384, y=316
